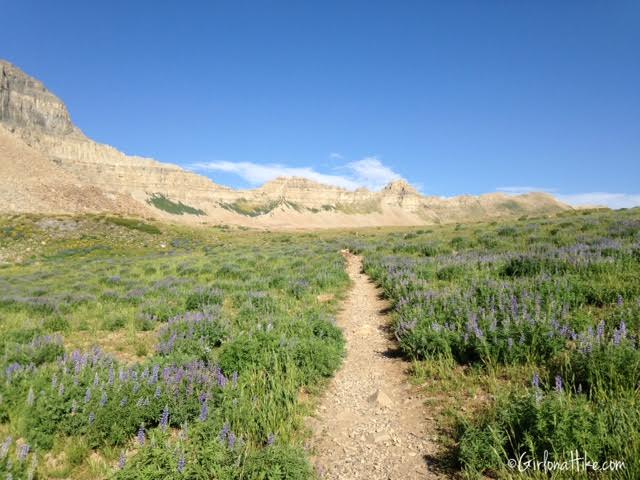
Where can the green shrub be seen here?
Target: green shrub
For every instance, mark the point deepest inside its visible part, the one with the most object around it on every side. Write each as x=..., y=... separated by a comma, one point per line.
x=278, y=463
x=163, y=203
x=203, y=297
x=134, y=224
x=531, y=423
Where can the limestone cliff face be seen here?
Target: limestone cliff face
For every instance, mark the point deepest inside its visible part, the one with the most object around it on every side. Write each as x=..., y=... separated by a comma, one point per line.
x=69, y=172
x=25, y=103
x=309, y=194
x=400, y=193
x=42, y=121
x=32, y=183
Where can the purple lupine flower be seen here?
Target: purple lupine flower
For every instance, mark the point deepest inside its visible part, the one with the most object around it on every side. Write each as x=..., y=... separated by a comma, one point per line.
x=558, y=383
x=4, y=448
x=153, y=379
x=182, y=463
x=536, y=380
x=231, y=438
x=514, y=306
x=225, y=431
x=96, y=380
x=141, y=436
x=61, y=390
x=493, y=325
x=204, y=412
x=600, y=331
x=234, y=379
x=103, y=399
x=616, y=337
x=111, y=375
x=158, y=392
x=87, y=396
x=510, y=343
x=92, y=417
x=222, y=380
x=123, y=401
x=588, y=347
x=620, y=301
x=271, y=439
x=164, y=419
x=24, y=452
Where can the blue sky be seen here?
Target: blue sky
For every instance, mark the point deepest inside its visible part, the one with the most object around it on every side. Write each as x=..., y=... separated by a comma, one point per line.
x=456, y=97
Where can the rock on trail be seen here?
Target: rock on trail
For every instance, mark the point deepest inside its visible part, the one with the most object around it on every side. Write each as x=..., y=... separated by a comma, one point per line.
x=371, y=423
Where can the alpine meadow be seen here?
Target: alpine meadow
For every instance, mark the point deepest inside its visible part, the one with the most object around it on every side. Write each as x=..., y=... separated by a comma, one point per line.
x=285, y=240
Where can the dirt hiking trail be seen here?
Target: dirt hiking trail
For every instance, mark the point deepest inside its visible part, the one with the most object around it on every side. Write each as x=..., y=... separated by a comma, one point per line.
x=371, y=423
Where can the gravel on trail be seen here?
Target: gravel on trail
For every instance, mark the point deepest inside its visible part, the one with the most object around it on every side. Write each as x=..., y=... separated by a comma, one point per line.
x=371, y=423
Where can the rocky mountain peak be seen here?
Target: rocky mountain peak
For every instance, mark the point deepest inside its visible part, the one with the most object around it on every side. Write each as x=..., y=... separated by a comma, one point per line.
x=26, y=104
x=400, y=186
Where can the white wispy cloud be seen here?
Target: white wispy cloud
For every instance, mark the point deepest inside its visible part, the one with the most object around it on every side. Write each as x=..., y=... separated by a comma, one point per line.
x=518, y=190
x=369, y=172
x=611, y=200
x=608, y=199
x=257, y=174
x=336, y=156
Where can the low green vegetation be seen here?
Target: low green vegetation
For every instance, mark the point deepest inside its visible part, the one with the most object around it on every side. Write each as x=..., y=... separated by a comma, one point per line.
x=542, y=318
x=163, y=203
x=134, y=224
x=181, y=355
x=138, y=351
x=255, y=209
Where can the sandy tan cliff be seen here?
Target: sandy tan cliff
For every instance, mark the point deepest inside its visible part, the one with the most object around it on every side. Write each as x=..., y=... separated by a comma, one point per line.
x=32, y=183
x=48, y=165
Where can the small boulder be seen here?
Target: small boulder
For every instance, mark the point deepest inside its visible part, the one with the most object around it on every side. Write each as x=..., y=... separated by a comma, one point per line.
x=381, y=399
